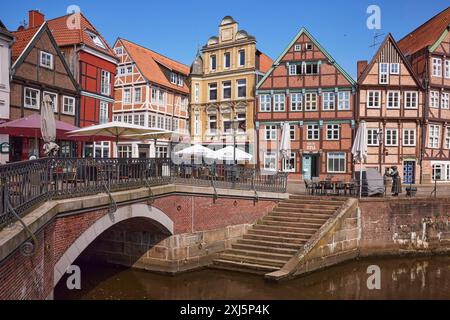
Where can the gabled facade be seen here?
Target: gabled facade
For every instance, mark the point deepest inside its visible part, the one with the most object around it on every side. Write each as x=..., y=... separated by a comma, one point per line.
x=222, y=82
x=39, y=69
x=307, y=88
x=428, y=50
x=390, y=100
x=151, y=91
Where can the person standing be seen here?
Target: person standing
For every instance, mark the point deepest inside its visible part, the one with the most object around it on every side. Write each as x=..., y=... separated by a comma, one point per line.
x=396, y=181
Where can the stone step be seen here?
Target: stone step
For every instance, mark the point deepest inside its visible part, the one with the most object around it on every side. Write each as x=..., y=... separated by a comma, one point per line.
x=296, y=204
x=234, y=256
x=274, y=238
x=317, y=200
x=243, y=267
x=267, y=222
x=284, y=207
x=302, y=215
x=269, y=246
x=275, y=233
x=285, y=229
x=259, y=253
x=296, y=219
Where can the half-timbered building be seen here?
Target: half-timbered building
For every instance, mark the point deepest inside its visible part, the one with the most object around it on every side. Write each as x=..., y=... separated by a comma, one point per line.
x=308, y=89
x=390, y=100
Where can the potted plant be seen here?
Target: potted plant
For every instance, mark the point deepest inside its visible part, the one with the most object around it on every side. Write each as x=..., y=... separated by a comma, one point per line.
x=411, y=191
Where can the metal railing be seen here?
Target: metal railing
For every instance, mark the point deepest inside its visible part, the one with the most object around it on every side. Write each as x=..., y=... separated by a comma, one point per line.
x=24, y=185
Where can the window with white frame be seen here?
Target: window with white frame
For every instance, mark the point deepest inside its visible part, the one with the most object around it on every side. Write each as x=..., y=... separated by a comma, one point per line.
x=333, y=131
x=126, y=95
x=139, y=119
x=278, y=102
x=336, y=162
x=54, y=98
x=311, y=102
x=241, y=58
x=384, y=73
x=105, y=82
x=391, y=137
x=298, y=47
x=68, y=105
x=311, y=68
x=328, y=101
x=173, y=78
x=226, y=90
x=104, y=112
x=393, y=100
x=152, y=121
x=102, y=149
x=433, y=136
x=437, y=67
x=344, y=100
x=372, y=137
x=154, y=95
x=162, y=97
x=270, y=161
x=213, y=63
x=409, y=137
x=212, y=123
x=373, y=99
x=441, y=171
x=197, y=124
x=162, y=152
x=241, y=118
x=411, y=101
x=227, y=60
x=226, y=123
x=289, y=164
x=212, y=91
x=265, y=103
x=292, y=69
x=312, y=132
x=445, y=100
x=434, y=99
x=241, y=88
x=296, y=102
x=119, y=51
x=96, y=39
x=447, y=137
x=271, y=132
x=124, y=151
x=46, y=60
x=137, y=94
x=395, y=68
x=32, y=98
x=292, y=132
x=197, y=93
x=447, y=69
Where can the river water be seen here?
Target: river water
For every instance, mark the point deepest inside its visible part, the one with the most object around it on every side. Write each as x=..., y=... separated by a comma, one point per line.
x=406, y=278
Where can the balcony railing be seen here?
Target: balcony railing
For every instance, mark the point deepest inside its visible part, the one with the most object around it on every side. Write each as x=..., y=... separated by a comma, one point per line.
x=24, y=185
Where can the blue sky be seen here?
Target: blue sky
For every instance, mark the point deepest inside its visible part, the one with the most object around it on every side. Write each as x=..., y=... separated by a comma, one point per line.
x=176, y=28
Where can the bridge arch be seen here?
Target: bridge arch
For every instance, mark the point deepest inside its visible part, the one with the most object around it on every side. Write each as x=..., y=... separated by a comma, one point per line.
x=103, y=224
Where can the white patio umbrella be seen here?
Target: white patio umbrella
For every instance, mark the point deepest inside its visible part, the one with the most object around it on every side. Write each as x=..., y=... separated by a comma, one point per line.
x=196, y=150
x=48, y=126
x=285, y=145
x=360, y=150
x=161, y=134
x=232, y=154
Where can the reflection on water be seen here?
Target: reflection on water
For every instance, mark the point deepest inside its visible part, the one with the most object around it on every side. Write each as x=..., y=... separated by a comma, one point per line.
x=419, y=278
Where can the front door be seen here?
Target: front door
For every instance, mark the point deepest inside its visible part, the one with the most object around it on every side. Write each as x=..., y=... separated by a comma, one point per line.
x=307, y=167
x=409, y=172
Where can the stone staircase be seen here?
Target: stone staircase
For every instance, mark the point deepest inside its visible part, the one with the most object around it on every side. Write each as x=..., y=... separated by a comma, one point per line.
x=277, y=237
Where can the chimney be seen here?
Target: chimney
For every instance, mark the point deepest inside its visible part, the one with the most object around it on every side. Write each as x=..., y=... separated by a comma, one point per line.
x=361, y=67
x=35, y=19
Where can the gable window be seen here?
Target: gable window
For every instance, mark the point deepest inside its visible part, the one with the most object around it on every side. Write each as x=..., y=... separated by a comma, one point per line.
x=333, y=132
x=298, y=47
x=96, y=39
x=278, y=102
x=32, y=98
x=137, y=94
x=445, y=100
x=242, y=88
x=328, y=101
x=296, y=102
x=68, y=105
x=312, y=131
x=391, y=137
x=434, y=132
x=434, y=99
x=384, y=73
x=241, y=58
x=54, y=98
x=409, y=137
x=226, y=90
x=437, y=67
x=271, y=132
x=344, y=100
x=336, y=162
x=212, y=91
x=126, y=95
x=447, y=137
x=373, y=99
x=46, y=60
x=309, y=46
x=227, y=60
x=213, y=63
x=410, y=100
x=119, y=51
x=105, y=82
x=395, y=68
x=265, y=103
x=372, y=137
x=447, y=69
x=311, y=102
x=393, y=100
x=103, y=114
x=129, y=70
x=311, y=68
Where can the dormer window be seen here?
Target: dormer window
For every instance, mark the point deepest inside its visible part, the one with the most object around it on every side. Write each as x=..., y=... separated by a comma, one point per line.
x=46, y=60
x=96, y=39
x=176, y=79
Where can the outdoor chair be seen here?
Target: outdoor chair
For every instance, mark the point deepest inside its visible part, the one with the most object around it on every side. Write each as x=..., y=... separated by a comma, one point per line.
x=340, y=187
x=328, y=185
x=309, y=187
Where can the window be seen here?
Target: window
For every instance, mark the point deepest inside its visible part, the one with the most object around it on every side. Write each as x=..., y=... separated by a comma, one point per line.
x=197, y=92
x=328, y=101
x=336, y=162
x=265, y=103
x=391, y=137
x=411, y=100
x=96, y=39
x=46, y=60
x=152, y=121
x=447, y=69
x=311, y=68
x=129, y=70
x=447, y=138
x=384, y=73
x=437, y=67
x=298, y=47
x=296, y=102
x=312, y=132
x=292, y=132
x=103, y=114
x=395, y=68
x=241, y=118
x=278, y=102
x=344, y=100
x=445, y=100
x=102, y=149
x=309, y=47
x=162, y=152
x=120, y=71
x=227, y=60
x=126, y=96
x=212, y=122
x=409, y=137
x=270, y=161
x=197, y=124
x=434, y=132
x=173, y=78
x=32, y=98
x=119, y=51
x=175, y=125
x=292, y=69
x=241, y=58
x=54, y=98
x=311, y=102
x=226, y=90
x=332, y=132
x=271, y=132
x=373, y=99
x=124, y=151
x=162, y=97
x=213, y=63
x=139, y=119
x=212, y=91
x=137, y=94
x=106, y=82
x=372, y=137
x=437, y=172
x=68, y=105
x=434, y=99
x=155, y=94
x=393, y=100
x=226, y=123
x=242, y=88
x=289, y=164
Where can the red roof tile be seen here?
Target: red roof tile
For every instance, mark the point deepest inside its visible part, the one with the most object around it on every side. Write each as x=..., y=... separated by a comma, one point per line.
x=23, y=38
x=150, y=62
x=427, y=34
x=265, y=63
